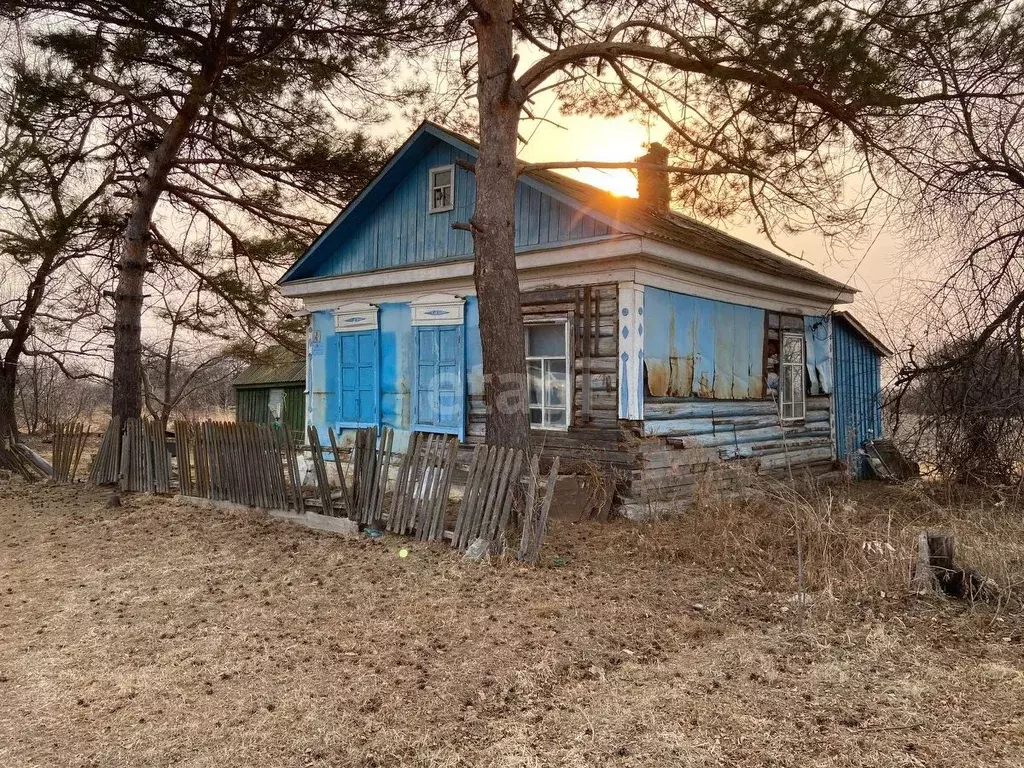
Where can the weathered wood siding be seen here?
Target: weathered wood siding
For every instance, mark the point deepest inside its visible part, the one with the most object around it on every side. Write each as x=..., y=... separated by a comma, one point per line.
x=858, y=391
x=688, y=441
x=593, y=434
x=399, y=230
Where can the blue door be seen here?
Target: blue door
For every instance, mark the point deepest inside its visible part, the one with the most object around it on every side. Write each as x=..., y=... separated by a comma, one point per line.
x=439, y=391
x=359, y=379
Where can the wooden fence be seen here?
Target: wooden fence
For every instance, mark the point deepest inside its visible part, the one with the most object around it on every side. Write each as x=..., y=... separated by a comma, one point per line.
x=252, y=464
x=134, y=457
x=258, y=465
x=423, y=486
x=68, y=442
x=17, y=457
x=493, y=480
x=535, y=515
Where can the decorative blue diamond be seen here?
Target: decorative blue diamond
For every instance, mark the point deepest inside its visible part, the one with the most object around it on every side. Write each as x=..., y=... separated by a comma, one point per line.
x=436, y=312
x=354, y=319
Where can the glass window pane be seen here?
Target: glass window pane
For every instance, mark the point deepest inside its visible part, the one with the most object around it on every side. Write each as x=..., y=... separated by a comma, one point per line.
x=792, y=349
x=442, y=197
x=554, y=382
x=442, y=178
x=534, y=371
x=554, y=417
x=545, y=340
x=536, y=416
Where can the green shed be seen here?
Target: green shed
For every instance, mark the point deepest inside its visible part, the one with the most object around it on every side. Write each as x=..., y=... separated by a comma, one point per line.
x=273, y=393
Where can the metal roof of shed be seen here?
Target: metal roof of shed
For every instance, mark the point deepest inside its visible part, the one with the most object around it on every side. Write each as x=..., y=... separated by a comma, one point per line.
x=288, y=372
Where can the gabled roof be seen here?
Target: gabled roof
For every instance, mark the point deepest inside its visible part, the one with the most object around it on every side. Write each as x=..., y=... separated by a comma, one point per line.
x=626, y=214
x=867, y=335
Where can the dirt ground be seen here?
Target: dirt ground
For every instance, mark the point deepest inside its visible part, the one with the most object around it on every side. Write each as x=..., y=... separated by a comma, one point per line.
x=157, y=634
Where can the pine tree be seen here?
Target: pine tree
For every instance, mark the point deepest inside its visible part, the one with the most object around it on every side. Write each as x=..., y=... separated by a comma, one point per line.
x=231, y=110
x=55, y=193
x=768, y=107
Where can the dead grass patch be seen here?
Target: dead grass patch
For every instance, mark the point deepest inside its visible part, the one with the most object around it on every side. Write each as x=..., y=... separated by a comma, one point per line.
x=155, y=634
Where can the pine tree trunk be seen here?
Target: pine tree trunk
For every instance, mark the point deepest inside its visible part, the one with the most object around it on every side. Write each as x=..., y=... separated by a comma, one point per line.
x=497, y=283
x=127, y=390
x=127, y=394
x=8, y=382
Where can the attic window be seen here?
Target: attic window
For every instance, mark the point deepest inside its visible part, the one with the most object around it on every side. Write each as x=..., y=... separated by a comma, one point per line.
x=441, y=188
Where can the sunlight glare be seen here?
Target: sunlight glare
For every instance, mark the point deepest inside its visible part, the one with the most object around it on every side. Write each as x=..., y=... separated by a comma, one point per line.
x=601, y=140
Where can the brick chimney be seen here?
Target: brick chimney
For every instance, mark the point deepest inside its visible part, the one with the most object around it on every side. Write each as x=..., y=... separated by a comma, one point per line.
x=653, y=187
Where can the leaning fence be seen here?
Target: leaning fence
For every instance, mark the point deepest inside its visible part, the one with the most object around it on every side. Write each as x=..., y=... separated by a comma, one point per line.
x=250, y=464
x=69, y=441
x=261, y=466
x=134, y=456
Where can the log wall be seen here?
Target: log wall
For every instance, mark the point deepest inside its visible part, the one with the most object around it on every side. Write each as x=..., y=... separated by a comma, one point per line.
x=717, y=443
x=594, y=435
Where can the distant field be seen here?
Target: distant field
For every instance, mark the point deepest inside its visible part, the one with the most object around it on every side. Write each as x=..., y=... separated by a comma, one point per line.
x=158, y=635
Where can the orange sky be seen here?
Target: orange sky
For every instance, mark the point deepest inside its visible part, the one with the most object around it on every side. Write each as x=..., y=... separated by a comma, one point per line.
x=623, y=139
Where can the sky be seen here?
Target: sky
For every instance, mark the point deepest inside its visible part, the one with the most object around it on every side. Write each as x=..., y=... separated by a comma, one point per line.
x=872, y=265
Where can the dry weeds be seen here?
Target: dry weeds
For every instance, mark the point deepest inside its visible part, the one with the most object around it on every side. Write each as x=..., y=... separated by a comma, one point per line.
x=156, y=634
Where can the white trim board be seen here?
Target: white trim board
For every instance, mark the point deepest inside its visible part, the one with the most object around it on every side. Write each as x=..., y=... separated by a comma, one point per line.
x=621, y=259
x=438, y=309
x=356, y=316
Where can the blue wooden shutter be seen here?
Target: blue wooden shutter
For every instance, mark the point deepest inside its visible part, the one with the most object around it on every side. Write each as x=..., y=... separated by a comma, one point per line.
x=359, y=376
x=440, y=376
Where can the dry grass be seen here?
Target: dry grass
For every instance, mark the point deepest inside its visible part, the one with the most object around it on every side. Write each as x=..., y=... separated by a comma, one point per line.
x=156, y=634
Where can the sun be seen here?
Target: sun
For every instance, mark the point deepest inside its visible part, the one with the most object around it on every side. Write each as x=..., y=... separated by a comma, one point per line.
x=618, y=181
x=592, y=138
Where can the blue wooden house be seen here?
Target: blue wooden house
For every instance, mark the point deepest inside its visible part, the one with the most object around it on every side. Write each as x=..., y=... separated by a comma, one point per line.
x=655, y=343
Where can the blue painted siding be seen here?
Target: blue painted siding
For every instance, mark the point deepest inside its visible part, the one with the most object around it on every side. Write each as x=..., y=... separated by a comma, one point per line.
x=474, y=349
x=698, y=347
x=858, y=390
x=396, y=373
x=399, y=230
x=395, y=322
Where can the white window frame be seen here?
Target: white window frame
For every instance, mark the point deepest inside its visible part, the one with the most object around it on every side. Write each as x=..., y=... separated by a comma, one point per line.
x=432, y=186
x=566, y=322
x=785, y=397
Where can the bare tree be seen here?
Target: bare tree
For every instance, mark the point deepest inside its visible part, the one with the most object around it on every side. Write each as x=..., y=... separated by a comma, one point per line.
x=47, y=395
x=55, y=214
x=186, y=363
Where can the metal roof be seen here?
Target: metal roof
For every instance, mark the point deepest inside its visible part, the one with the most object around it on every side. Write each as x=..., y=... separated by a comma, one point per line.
x=677, y=229
x=286, y=372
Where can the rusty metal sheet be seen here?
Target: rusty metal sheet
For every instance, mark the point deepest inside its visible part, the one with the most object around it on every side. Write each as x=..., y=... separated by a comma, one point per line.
x=698, y=347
